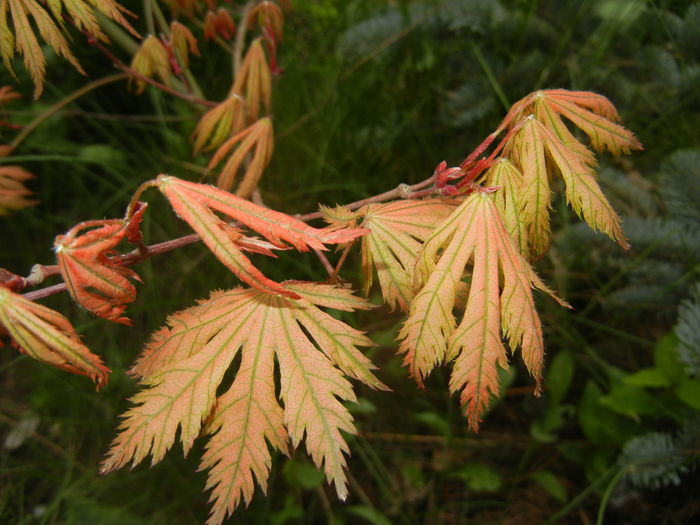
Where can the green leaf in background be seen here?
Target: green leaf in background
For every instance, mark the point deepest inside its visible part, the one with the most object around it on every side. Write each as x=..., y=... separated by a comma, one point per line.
x=601, y=425
x=435, y=421
x=479, y=477
x=688, y=391
x=650, y=377
x=544, y=430
x=559, y=375
x=102, y=154
x=368, y=514
x=291, y=511
x=302, y=474
x=666, y=357
x=630, y=401
x=550, y=483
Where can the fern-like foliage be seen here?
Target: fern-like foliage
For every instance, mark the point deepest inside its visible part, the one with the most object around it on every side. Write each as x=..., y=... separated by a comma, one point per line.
x=688, y=332
x=475, y=16
x=664, y=231
x=652, y=461
x=659, y=459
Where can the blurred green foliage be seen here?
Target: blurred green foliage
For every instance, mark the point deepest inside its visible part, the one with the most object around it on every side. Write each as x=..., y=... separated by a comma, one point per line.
x=374, y=94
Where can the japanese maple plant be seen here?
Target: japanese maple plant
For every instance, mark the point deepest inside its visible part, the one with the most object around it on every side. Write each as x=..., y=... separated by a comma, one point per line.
x=452, y=253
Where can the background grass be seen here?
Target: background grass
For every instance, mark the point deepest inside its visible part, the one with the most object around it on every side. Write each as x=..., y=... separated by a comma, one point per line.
x=374, y=94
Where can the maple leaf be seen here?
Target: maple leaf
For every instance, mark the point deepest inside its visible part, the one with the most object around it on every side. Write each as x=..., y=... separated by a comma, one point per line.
x=257, y=140
x=151, y=59
x=254, y=80
x=13, y=194
x=270, y=16
x=218, y=123
x=8, y=94
x=196, y=204
x=48, y=337
x=538, y=151
x=219, y=23
x=183, y=365
x=183, y=42
x=499, y=300
x=23, y=39
x=397, y=230
x=98, y=283
x=508, y=199
x=339, y=216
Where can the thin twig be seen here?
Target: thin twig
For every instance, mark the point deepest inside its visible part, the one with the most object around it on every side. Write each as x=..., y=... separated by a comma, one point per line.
x=139, y=254
x=63, y=103
x=240, y=38
x=325, y=262
x=135, y=74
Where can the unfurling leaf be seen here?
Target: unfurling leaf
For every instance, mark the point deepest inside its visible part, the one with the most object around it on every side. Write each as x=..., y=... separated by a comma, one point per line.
x=197, y=203
x=47, y=336
x=98, y=283
x=183, y=365
x=8, y=94
x=339, y=216
x=254, y=80
x=13, y=194
x=539, y=152
x=269, y=16
x=183, y=41
x=150, y=60
x=219, y=23
x=217, y=124
x=257, y=140
x=499, y=302
x=397, y=230
x=24, y=40
x=504, y=175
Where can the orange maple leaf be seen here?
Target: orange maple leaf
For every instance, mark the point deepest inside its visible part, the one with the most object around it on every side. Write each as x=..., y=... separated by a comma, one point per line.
x=13, y=194
x=397, y=230
x=197, y=203
x=185, y=362
x=254, y=80
x=499, y=301
x=257, y=140
x=49, y=21
x=100, y=284
x=48, y=337
x=218, y=123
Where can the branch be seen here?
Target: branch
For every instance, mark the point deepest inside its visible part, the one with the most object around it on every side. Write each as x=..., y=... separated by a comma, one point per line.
x=40, y=272
x=240, y=38
x=134, y=74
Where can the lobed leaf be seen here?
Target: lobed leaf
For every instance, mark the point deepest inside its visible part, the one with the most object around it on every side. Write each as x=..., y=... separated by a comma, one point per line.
x=499, y=305
x=256, y=141
x=527, y=150
x=13, y=194
x=22, y=38
x=48, y=337
x=184, y=363
x=218, y=123
x=183, y=41
x=254, y=80
x=397, y=230
x=196, y=204
x=150, y=60
x=98, y=283
x=509, y=200
x=269, y=16
x=540, y=152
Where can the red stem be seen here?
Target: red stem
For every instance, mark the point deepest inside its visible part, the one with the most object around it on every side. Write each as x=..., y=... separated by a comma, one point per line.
x=167, y=89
